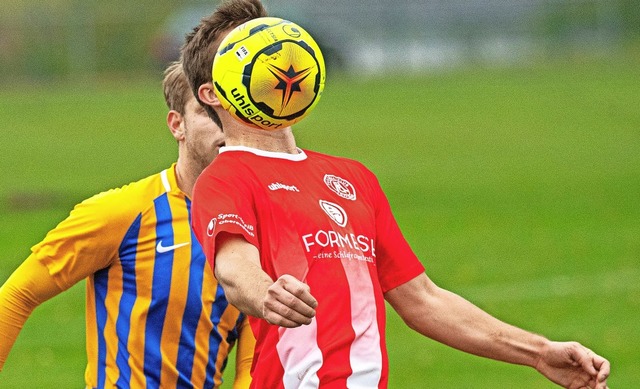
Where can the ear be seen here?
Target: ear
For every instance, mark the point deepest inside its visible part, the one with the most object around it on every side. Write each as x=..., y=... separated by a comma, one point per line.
x=174, y=121
x=207, y=95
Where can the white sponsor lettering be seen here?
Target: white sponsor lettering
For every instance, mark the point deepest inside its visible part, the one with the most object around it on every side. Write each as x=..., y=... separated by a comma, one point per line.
x=232, y=218
x=335, y=240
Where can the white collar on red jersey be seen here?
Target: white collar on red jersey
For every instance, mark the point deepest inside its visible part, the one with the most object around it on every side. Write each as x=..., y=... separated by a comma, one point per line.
x=301, y=156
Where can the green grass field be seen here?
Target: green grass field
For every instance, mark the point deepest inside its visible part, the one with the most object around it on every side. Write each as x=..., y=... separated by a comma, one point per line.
x=518, y=188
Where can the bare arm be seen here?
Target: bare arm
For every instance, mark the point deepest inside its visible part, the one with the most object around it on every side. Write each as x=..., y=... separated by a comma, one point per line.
x=29, y=286
x=454, y=321
x=287, y=302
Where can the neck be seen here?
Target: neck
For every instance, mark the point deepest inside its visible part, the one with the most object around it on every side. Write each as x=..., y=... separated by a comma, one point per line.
x=185, y=176
x=281, y=141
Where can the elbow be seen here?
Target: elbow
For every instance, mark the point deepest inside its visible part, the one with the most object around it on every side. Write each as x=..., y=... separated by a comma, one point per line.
x=16, y=304
x=412, y=323
x=227, y=280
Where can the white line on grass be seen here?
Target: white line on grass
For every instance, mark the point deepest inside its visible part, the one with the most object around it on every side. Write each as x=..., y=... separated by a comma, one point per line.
x=605, y=283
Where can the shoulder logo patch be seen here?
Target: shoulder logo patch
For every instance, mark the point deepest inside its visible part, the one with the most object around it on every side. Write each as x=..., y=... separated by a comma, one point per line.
x=211, y=227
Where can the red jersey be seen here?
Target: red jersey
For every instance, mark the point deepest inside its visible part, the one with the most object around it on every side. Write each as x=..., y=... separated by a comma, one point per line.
x=326, y=221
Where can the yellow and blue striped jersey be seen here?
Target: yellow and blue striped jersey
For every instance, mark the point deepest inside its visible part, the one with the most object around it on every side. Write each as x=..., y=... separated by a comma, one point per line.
x=156, y=317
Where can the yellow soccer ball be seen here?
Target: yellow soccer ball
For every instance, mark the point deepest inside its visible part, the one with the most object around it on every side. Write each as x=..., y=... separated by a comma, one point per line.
x=269, y=73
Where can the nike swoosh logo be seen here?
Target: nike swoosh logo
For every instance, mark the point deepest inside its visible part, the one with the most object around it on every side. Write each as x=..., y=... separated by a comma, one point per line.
x=163, y=249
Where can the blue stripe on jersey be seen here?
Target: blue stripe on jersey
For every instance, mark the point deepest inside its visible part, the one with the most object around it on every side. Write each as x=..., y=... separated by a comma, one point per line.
x=162, y=269
x=219, y=306
x=101, y=284
x=234, y=334
x=193, y=308
x=127, y=252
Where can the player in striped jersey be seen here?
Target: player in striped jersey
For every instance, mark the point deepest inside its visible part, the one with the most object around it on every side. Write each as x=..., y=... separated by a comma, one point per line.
x=156, y=317
x=307, y=245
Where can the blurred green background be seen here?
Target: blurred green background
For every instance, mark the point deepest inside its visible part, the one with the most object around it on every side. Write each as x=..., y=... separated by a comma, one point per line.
x=517, y=183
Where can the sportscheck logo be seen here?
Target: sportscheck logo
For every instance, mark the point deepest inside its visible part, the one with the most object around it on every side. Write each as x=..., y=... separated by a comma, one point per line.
x=335, y=212
x=340, y=186
x=211, y=227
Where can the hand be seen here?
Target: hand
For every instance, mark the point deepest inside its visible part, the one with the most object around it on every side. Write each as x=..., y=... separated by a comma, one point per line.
x=573, y=366
x=289, y=303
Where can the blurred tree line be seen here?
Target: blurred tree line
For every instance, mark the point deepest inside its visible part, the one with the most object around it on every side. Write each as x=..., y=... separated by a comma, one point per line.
x=84, y=38
x=56, y=38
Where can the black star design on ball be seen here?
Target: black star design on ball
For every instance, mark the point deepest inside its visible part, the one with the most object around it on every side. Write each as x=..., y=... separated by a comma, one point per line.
x=289, y=81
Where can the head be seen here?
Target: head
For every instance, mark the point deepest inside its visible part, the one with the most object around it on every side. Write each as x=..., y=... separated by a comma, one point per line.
x=202, y=44
x=199, y=138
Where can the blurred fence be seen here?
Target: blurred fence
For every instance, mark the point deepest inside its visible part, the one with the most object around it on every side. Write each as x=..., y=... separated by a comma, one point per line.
x=87, y=38
x=380, y=35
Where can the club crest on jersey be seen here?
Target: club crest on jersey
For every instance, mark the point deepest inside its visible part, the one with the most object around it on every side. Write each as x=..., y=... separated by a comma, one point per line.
x=335, y=212
x=340, y=186
x=211, y=227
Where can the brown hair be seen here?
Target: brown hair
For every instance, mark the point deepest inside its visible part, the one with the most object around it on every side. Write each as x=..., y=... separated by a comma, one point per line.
x=202, y=43
x=176, y=87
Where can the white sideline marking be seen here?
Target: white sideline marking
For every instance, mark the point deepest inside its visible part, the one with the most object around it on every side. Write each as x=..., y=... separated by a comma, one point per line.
x=607, y=283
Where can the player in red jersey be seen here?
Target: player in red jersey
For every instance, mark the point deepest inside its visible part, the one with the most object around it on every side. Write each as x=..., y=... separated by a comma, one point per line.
x=306, y=244
x=324, y=221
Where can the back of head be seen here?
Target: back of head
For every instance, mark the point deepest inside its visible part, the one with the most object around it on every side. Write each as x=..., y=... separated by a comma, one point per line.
x=202, y=43
x=176, y=87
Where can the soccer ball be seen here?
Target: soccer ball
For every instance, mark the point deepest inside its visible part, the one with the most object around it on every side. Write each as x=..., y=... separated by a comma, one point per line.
x=269, y=73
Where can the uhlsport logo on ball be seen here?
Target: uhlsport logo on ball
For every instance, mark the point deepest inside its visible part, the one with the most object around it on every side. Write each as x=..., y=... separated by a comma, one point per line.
x=269, y=73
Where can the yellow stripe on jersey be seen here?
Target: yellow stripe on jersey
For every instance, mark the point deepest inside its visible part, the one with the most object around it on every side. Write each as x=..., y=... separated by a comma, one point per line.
x=176, y=302
x=156, y=317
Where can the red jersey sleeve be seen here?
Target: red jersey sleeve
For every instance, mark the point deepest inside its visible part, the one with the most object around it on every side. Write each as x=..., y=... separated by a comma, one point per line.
x=222, y=202
x=397, y=263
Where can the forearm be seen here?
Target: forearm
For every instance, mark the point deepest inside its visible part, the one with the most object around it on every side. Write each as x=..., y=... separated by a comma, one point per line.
x=287, y=302
x=237, y=269
x=454, y=321
x=26, y=288
x=14, y=311
x=245, y=285
x=460, y=324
